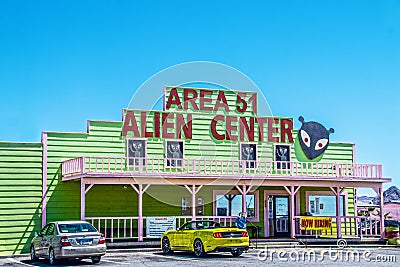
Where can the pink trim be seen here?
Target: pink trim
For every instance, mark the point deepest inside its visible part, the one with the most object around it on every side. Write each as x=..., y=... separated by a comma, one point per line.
x=44, y=178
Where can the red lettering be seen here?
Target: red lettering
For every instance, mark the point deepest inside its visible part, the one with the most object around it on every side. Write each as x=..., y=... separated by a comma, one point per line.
x=221, y=102
x=214, y=132
x=156, y=124
x=230, y=128
x=190, y=99
x=241, y=105
x=145, y=133
x=261, y=122
x=286, y=130
x=173, y=99
x=272, y=130
x=130, y=124
x=249, y=130
x=186, y=127
x=204, y=99
x=167, y=125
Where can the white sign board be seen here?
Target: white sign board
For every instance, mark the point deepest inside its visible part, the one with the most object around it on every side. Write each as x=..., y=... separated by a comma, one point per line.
x=156, y=226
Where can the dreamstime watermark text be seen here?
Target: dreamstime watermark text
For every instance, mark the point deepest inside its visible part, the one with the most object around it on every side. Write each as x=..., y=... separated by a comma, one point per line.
x=320, y=255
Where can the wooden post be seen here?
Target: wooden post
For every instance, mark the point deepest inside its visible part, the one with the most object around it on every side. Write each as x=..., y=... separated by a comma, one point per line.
x=338, y=215
x=382, y=222
x=244, y=194
x=193, y=202
x=83, y=196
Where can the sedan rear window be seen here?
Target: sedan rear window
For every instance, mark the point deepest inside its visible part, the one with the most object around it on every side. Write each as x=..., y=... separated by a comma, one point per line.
x=76, y=228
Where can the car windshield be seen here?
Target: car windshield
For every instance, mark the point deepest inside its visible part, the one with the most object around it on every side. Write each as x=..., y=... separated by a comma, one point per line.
x=198, y=225
x=76, y=228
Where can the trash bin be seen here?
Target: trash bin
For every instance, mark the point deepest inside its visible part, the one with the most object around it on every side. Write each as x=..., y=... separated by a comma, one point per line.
x=392, y=233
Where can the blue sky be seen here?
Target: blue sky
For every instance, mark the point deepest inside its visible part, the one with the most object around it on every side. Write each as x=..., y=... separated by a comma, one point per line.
x=335, y=62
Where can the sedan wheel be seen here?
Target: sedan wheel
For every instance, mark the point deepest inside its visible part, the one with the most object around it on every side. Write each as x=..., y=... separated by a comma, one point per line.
x=166, y=246
x=236, y=252
x=96, y=259
x=52, y=259
x=198, y=248
x=33, y=254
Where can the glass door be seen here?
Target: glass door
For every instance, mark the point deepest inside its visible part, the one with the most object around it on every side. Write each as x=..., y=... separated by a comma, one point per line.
x=281, y=216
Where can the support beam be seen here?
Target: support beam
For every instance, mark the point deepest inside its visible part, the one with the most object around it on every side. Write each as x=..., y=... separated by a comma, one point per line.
x=382, y=222
x=83, y=199
x=338, y=214
x=140, y=191
x=193, y=191
x=292, y=191
x=244, y=194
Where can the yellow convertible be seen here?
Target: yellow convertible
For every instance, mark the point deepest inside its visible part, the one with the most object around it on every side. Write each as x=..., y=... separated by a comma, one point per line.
x=201, y=237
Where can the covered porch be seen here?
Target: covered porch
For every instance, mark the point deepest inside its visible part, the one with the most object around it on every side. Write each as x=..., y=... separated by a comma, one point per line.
x=194, y=175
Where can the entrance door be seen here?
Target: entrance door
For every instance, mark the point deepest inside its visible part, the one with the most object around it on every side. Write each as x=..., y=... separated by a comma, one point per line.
x=281, y=216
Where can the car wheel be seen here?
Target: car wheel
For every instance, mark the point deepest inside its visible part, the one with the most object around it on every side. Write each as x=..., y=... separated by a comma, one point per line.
x=52, y=258
x=33, y=254
x=198, y=248
x=166, y=246
x=236, y=252
x=96, y=259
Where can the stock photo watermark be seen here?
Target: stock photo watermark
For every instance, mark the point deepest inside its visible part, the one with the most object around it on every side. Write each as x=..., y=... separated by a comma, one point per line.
x=335, y=254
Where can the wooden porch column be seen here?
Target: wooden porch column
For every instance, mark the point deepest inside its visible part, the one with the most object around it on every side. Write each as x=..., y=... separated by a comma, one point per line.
x=140, y=192
x=244, y=194
x=382, y=222
x=193, y=191
x=243, y=191
x=292, y=192
x=83, y=199
x=337, y=193
x=84, y=190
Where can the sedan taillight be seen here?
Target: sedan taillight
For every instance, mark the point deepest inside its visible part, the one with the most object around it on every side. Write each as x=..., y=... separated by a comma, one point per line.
x=245, y=234
x=64, y=241
x=217, y=235
x=102, y=239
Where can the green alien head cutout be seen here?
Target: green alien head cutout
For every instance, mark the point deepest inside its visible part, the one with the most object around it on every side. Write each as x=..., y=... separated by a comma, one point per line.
x=312, y=141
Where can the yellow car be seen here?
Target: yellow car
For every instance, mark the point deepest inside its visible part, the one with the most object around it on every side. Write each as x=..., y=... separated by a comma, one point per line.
x=202, y=237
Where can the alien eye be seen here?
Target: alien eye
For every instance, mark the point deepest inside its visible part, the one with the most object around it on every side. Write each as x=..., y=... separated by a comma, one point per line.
x=321, y=144
x=305, y=137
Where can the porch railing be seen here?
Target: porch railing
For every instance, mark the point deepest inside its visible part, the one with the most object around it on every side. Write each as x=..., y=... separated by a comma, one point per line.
x=195, y=167
x=123, y=228
x=351, y=226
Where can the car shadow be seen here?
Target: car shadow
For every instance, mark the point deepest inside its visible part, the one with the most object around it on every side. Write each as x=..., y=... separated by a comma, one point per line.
x=187, y=254
x=68, y=262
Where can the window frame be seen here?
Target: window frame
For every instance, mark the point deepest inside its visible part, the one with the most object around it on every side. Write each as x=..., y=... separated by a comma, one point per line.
x=127, y=151
x=328, y=193
x=256, y=193
x=167, y=163
x=280, y=162
x=248, y=164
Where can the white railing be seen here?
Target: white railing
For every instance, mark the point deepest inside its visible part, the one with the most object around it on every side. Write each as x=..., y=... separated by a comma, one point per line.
x=123, y=228
x=198, y=167
x=351, y=226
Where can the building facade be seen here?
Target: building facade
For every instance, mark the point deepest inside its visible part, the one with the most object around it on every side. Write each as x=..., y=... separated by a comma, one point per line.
x=207, y=154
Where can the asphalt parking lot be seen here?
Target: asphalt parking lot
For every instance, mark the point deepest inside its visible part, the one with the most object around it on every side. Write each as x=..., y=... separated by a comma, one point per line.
x=374, y=256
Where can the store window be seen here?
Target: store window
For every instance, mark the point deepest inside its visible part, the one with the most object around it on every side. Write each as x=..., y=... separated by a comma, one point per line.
x=324, y=205
x=248, y=153
x=282, y=156
x=174, y=153
x=136, y=151
x=231, y=205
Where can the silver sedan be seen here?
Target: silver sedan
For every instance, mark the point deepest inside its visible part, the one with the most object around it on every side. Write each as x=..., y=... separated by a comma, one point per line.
x=71, y=239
